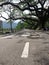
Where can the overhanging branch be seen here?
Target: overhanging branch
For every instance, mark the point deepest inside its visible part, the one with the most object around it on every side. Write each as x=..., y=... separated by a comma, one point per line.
x=22, y=9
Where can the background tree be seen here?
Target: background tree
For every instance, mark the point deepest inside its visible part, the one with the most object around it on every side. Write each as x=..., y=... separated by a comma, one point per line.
x=20, y=26
x=1, y=26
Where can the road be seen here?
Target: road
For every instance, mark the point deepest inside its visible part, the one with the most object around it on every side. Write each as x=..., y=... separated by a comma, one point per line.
x=21, y=49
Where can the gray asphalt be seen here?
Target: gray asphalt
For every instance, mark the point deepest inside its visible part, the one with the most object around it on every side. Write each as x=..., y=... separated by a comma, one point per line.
x=11, y=48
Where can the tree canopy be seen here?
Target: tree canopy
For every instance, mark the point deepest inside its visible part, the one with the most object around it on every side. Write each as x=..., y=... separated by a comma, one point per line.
x=38, y=11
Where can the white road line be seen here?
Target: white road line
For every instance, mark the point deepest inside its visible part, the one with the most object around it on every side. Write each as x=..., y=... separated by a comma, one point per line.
x=6, y=37
x=25, y=35
x=25, y=51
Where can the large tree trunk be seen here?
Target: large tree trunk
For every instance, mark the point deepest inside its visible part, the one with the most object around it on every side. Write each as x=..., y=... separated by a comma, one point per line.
x=43, y=25
x=11, y=26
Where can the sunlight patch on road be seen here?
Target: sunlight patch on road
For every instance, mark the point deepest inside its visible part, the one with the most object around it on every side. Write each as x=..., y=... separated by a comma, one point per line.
x=25, y=51
x=7, y=37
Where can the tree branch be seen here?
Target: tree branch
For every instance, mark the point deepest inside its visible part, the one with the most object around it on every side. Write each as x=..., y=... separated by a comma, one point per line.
x=7, y=3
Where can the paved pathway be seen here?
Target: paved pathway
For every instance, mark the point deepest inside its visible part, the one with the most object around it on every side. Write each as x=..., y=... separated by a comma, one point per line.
x=23, y=50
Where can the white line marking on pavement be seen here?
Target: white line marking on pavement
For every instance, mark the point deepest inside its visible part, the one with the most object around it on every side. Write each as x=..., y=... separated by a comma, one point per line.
x=25, y=35
x=25, y=51
x=6, y=37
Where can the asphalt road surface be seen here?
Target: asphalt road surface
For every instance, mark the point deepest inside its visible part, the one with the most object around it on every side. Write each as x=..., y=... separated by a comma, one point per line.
x=24, y=48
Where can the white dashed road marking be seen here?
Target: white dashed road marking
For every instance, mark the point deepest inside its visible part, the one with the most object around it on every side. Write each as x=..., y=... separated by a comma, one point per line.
x=25, y=51
x=24, y=35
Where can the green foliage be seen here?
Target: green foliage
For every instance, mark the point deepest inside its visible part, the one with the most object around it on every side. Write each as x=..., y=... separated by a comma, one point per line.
x=19, y=26
x=47, y=24
x=2, y=0
x=22, y=25
x=25, y=24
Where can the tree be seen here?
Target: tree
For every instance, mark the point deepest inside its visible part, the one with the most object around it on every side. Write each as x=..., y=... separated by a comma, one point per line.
x=20, y=26
x=2, y=0
x=38, y=11
x=1, y=26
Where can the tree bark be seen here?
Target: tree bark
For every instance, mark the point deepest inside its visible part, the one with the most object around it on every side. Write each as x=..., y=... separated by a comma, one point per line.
x=43, y=25
x=11, y=26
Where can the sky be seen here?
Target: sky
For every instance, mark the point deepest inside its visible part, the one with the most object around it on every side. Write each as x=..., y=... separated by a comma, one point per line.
x=7, y=25
x=16, y=1
x=4, y=15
